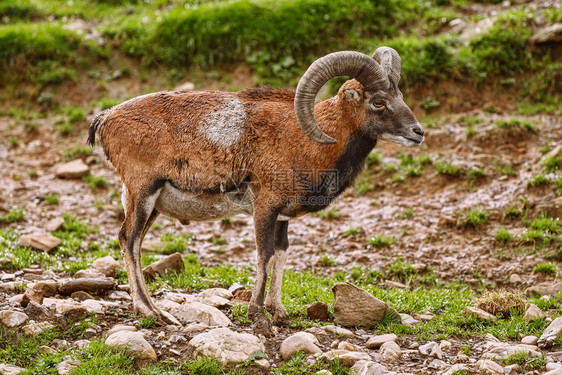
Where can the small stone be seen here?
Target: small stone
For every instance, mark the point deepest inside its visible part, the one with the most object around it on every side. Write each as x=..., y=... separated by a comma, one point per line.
x=66, y=367
x=12, y=319
x=80, y=296
x=532, y=312
x=338, y=331
x=10, y=287
x=390, y=351
x=119, y=295
x=544, y=289
x=515, y=279
x=479, y=313
x=73, y=169
x=6, y=369
x=214, y=301
x=355, y=307
x=47, y=288
x=299, y=342
x=54, y=224
x=557, y=371
x=40, y=241
x=368, y=368
x=431, y=349
x=106, y=265
x=121, y=327
x=408, y=320
x=225, y=345
x=219, y=292
x=346, y=357
x=33, y=329
x=489, y=367
x=89, y=285
x=550, y=333
x=530, y=340
x=548, y=34
x=376, y=341
x=389, y=284
x=317, y=311
x=31, y=295
x=8, y=277
x=133, y=342
x=89, y=273
x=38, y=312
x=423, y=317
x=242, y=295
x=170, y=264
x=346, y=345
x=199, y=312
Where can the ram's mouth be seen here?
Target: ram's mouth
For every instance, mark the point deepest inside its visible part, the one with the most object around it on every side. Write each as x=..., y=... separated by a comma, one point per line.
x=411, y=141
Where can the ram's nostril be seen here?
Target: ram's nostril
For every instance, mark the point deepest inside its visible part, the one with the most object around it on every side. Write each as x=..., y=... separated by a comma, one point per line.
x=418, y=131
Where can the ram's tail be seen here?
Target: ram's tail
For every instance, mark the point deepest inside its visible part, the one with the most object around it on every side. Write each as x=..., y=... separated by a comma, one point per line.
x=95, y=125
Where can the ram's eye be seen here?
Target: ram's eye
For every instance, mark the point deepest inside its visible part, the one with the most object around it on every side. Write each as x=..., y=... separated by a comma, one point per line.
x=378, y=104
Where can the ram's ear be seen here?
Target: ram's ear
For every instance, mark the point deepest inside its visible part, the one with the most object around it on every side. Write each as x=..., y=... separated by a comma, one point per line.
x=351, y=95
x=352, y=91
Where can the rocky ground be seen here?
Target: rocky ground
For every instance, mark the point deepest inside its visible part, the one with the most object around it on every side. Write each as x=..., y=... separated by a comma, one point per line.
x=476, y=207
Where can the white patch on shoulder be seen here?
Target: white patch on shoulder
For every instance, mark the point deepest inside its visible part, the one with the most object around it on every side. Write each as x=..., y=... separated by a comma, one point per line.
x=224, y=126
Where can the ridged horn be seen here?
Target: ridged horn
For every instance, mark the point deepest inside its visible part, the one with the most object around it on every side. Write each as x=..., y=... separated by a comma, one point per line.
x=390, y=61
x=344, y=63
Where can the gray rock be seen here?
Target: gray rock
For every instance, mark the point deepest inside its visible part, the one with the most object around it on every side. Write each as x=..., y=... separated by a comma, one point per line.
x=454, y=368
x=368, y=368
x=376, y=341
x=489, y=367
x=548, y=34
x=106, y=265
x=10, y=287
x=89, y=285
x=31, y=295
x=354, y=307
x=170, y=264
x=390, y=351
x=479, y=313
x=66, y=367
x=33, y=329
x=346, y=357
x=40, y=241
x=557, y=371
x=47, y=288
x=199, y=312
x=121, y=327
x=338, y=331
x=431, y=349
x=73, y=169
x=219, y=292
x=6, y=369
x=89, y=273
x=225, y=345
x=532, y=312
x=54, y=224
x=38, y=312
x=530, y=340
x=12, y=319
x=132, y=342
x=299, y=342
x=544, y=289
x=550, y=333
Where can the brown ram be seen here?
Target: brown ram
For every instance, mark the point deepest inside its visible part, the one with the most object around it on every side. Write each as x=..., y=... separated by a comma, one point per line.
x=210, y=155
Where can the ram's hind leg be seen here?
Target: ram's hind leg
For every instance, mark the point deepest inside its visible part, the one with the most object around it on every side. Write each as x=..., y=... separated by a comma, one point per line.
x=139, y=216
x=273, y=302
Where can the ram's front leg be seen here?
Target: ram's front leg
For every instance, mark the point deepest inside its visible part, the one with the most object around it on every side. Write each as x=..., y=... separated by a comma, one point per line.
x=273, y=302
x=264, y=222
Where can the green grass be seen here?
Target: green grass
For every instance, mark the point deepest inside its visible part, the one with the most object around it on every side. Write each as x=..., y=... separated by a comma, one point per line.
x=330, y=214
x=95, y=182
x=352, y=232
x=449, y=169
x=546, y=268
x=401, y=270
x=52, y=199
x=475, y=217
x=176, y=243
x=525, y=361
x=539, y=180
x=381, y=241
x=503, y=237
x=515, y=124
x=15, y=215
x=474, y=175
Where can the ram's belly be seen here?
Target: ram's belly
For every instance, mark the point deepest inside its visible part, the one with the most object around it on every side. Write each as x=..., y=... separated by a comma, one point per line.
x=188, y=206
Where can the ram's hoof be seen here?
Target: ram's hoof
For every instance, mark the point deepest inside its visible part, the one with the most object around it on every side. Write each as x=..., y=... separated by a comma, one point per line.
x=262, y=325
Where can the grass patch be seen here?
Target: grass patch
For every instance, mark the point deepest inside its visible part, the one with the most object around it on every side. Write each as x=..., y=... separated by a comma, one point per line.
x=95, y=182
x=475, y=217
x=449, y=169
x=381, y=241
x=527, y=126
x=503, y=237
x=501, y=303
x=13, y=216
x=546, y=268
x=525, y=361
x=76, y=152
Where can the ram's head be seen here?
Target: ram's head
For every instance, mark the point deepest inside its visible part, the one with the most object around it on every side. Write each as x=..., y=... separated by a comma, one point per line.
x=386, y=116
